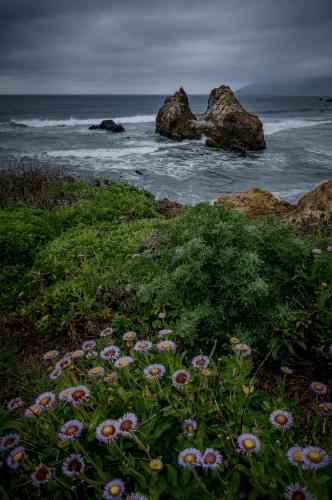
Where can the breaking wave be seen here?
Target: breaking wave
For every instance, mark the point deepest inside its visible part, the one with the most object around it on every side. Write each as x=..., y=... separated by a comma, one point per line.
x=72, y=122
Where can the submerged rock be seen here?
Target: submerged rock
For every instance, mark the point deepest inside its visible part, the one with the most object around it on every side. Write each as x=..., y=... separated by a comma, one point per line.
x=225, y=123
x=108, y=125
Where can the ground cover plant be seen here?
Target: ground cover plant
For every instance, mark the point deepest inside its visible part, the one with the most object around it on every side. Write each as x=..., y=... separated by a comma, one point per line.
x=130, y=417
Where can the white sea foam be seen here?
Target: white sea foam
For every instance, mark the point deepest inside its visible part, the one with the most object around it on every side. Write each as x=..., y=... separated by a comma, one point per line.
x=101, y=153
x=271, y=128
x=72, y=122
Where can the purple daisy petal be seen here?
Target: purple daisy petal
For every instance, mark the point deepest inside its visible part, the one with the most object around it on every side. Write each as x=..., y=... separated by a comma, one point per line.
x=110, y=353
x=9, y=441
x=166, y=345
x=114, y=490
x=211, y=459
x=180, y=378
x=200, y=362
x=315, y=457
x=189, y=427
x=248, y=443
x=143, y=345
x=107, y=431
x=190, y=457
x=318, y=387
x=295, y=455
x=127, y=424
x=281, y=419
x=70, y=430
x=16, y=457
x=123, y=362
x=155, y=371
x=40, y=476
x=296, y=492
x=73, y=466
x=46, y=399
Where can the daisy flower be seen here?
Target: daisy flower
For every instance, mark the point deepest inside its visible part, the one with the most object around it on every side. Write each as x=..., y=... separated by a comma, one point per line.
x=107, y=431
x=91, y=355
x=127, y=424
x=248, y=444
x=180, y=378
x=50, y=355
x=143, y=345
x=200, y=362
x=70, y=430
x=156, y=464
x=16, y=457
x=40, y=476
x=114, y=490
x=78, y=394
x=315, y=457
x=189, y=427
x=316, y=251
x=55, y=373
x=9, y=441
x=136, y=496
x=297, y=492
x=155, y=371
x=63, y=363
x=46, y=399
x=190, y=457
x=123, y=362
x=109, y=353
x=211, y=459
x=281, y=419
x=96, y=371
x=242, y=349
x=318, y=387
x=106, y=332
x=14, y=404
x=287, y=370
x=166, y=345
x=73, y=466
x=129, y=335
x=295, y=455
x=164, y=333
x=63, y=396
x=34, y=411
x=88, y=345
x=112, y=377
x=78, y=354
x=326, y=408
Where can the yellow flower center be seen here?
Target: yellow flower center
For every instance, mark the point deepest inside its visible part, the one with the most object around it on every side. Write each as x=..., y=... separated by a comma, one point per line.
x=35, y=410
x=95, y=371
x=71, y=430
x=65, y=393
x=123, y=362
x=114, y=490
x=190, y=458
x=297, y=455
x=108, y=430
x=45, y=401
x=318, y=387
x=18, y=457
x=143, y=345
x=166, y=345
x=281, y=419
x=77, y=395
x=249, y=444
x=51, y=354
x=327, y=407
x=190, y=428
x=234, y=340
x=155, y=371
x=156, y=464
x=129, y=335
x=315, y=456
x=210, y=458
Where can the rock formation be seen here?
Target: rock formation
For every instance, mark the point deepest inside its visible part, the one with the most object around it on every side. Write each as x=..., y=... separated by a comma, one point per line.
x=174, y=118
x=108, y=125
x=225, y=123
x=256, y=202
x=313, y=211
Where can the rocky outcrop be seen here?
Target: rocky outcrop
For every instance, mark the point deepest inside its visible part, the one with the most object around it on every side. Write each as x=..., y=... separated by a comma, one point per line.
x=109, y=126
x=313, y=212
x=225, y=123
x=256, y=202
x=175, y=118
x=169, y=209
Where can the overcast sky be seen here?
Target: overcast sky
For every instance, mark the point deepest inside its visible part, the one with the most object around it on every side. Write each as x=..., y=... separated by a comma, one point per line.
x=153, y=46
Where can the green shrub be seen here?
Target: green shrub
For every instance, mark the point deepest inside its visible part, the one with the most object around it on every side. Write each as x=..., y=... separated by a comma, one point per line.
x=23, y=231
x=220, y=396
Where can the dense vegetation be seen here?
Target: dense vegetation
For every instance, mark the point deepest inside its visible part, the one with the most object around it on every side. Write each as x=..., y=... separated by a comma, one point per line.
x=77, y=257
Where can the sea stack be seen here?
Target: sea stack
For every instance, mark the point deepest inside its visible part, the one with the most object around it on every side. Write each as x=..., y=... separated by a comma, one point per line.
x=226, y=124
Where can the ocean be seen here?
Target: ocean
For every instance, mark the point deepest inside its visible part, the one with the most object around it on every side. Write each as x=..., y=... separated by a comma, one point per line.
x=53, y=130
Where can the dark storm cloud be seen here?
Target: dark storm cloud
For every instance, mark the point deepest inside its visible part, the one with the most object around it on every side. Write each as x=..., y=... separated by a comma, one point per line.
x=149, y=46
